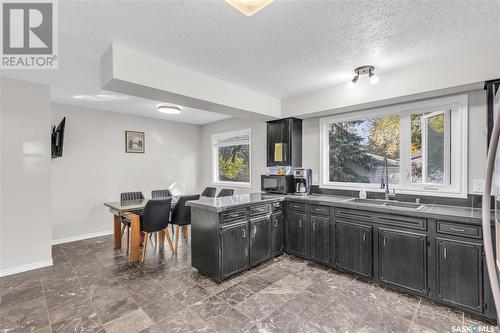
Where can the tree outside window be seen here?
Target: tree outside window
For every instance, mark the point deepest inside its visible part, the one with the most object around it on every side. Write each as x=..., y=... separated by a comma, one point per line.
x=231, y=158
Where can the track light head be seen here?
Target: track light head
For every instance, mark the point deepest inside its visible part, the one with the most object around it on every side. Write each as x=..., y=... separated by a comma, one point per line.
x=363, y=70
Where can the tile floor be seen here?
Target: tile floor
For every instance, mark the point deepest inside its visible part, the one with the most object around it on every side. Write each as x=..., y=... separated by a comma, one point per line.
x=92, y=288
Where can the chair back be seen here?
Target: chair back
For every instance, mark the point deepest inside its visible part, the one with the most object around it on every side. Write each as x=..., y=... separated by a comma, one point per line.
x=209, y=192
x=157, y=194
x=130, y=196
x=225, y=192
x=155, y=215
x=181, y=214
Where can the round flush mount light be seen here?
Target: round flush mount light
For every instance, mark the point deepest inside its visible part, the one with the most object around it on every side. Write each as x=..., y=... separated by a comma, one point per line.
x=169, y=108
x=363, y=70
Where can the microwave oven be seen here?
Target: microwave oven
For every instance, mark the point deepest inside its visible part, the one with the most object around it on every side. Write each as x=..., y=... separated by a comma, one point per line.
x=277, y=184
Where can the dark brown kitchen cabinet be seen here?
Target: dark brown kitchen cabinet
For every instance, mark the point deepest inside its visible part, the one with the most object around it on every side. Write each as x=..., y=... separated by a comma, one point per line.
x=277, y=241
x=402, y=259
x=284, y=142
x=259, y=240
x=320, y=239
x=353, y=247
x=459, y=270
x=297, y=234
x=235, y=256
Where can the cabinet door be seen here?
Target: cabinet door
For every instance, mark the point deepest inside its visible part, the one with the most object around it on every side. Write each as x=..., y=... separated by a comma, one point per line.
x=234, y=249
x=403, y=259
x=274, y=136
x=276, y=234
x=320, y=239
x=459, y=268
x=353, y=244
x=297, y=234
x=259, y=240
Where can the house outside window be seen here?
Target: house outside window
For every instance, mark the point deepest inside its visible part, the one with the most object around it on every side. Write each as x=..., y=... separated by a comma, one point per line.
x=422, y=146
x=231, y=158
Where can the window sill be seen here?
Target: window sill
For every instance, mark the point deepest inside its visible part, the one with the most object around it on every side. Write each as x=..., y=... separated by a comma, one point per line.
x=232, y=184
x=399, y=190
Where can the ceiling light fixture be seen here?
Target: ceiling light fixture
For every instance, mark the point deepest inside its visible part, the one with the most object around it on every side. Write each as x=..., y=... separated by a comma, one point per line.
x=249, y=7
x=363, y=70
x=169, y=108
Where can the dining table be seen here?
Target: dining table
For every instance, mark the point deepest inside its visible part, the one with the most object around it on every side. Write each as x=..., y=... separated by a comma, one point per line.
x=129, y=209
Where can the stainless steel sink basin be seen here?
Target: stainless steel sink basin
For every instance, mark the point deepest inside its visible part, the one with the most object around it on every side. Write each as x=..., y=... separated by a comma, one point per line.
x=387, y=203
x=369, y=201
x=404, y=204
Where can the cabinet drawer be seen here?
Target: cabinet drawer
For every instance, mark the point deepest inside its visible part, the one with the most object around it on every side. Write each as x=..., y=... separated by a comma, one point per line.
x=298, y=206
x=319, y=209
x=236, y=214
x=387, y=219
x=260, y=210
x=459, y=229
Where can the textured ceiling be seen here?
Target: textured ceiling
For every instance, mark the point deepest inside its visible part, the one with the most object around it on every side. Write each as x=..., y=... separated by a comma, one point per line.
x=289, y=48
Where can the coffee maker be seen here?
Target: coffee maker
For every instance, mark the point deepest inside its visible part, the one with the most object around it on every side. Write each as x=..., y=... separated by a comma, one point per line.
x=303, y=181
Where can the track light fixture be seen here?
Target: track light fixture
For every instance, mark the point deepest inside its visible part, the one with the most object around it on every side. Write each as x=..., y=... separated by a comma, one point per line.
x=363, y=70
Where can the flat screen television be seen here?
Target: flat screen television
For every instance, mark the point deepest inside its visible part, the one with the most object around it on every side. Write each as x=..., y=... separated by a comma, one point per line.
x=58, y=139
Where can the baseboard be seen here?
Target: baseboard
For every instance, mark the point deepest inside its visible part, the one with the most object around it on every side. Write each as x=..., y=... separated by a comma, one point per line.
x=25, y=268
x=81, y=237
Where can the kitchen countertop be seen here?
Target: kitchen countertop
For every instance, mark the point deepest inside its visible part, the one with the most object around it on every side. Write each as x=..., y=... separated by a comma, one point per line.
x=239, y=200
x=430, y=211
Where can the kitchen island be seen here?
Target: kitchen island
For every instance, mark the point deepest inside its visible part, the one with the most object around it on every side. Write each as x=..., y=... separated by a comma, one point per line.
x=433, y=251
x=231, y=234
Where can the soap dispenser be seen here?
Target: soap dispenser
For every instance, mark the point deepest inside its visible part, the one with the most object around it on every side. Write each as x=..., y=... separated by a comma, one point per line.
x=362, y=193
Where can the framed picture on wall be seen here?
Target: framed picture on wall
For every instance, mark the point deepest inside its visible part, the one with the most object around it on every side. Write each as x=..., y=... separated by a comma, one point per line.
x=134, y=142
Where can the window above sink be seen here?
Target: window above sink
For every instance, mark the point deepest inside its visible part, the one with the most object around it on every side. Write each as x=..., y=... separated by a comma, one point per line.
x=424, y=144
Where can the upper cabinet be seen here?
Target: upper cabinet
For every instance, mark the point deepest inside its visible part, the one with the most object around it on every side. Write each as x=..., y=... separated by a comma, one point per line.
x=284, y=142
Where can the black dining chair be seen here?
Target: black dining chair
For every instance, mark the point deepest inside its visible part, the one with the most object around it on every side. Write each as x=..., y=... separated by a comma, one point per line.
x=130, y=197
x=209, y=192
x=157, y=194
x=225, y=192
x=154, y=220
x=181, y=216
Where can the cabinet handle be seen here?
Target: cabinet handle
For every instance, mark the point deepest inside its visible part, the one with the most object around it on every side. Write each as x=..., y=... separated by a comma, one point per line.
x=300, y=223
x=457, y=229
x=384, y=241
x=276, y=223
x=364, y=237
x=254, y=231
x=444, y=253
x=314, y=226
x=244, y=233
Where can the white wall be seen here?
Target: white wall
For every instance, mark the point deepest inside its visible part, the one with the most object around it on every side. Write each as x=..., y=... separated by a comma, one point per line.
x=94, y=167
x=258, y=150
x=25, y=220
x=476, y=151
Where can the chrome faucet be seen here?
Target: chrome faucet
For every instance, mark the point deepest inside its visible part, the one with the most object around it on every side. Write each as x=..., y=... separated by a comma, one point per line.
x=385, y=184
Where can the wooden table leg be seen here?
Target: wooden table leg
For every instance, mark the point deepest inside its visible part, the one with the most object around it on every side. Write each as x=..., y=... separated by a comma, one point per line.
x=135, y=238
x=118, y=231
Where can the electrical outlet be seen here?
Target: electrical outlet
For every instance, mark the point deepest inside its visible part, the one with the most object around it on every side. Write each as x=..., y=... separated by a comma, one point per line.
x=478, y=185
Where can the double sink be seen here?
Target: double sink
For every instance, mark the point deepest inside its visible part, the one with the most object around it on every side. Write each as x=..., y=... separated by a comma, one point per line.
x=389, y=203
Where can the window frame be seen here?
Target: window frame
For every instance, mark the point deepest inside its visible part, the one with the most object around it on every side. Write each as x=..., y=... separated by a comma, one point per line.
x=215, y=158
x=458, y=134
